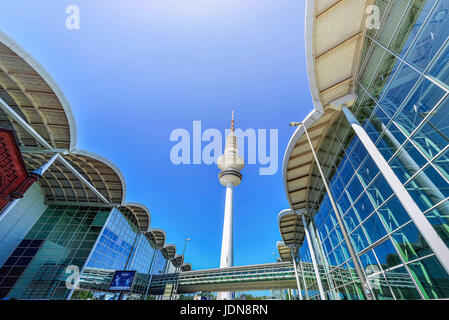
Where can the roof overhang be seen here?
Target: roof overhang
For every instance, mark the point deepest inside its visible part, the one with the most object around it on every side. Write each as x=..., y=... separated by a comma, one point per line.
x=178, y=260
x=291, y=228
x=157, y=237
x=27, y=87
x=141, y=214
x=186, y=267
x=169, y=251
x=334, y=34
x=284, y=252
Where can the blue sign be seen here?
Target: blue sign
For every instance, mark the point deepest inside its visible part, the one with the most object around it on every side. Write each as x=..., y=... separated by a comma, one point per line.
x=122, y=281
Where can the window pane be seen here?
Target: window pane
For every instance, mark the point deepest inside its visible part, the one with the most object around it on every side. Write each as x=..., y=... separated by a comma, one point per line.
x=387, y=255
x=428, y=188
x=393, y=214
x=368, y=171
x=400, y=87
x=374, y=228
x=442, y=163
x=433, y=136
x=351, y=220
x=402, y=285
x=439, y=218
x=407, y=162
x=410, y=242
x=439, y=69
x=431, y=277
x=359, y=240
x=431, y=38
x=379, y=191
x=363, y=207
x=410, y=25
x=423, y=99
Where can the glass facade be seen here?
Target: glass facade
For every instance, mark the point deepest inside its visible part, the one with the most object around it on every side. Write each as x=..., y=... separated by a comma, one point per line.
x=403, y=105
x=97, y=241
x=63, y=236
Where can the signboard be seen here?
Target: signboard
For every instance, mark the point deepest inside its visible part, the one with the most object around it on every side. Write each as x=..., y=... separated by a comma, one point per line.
x=122, y=280
x=14, y=177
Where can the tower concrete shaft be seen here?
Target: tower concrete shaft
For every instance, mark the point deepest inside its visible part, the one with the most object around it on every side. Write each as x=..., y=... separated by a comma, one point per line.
x=230, y=164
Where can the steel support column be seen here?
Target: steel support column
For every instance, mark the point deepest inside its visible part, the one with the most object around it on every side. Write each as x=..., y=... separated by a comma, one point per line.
x=312, y=254
x=296, y=275
x=303, y=279
x=366, y=289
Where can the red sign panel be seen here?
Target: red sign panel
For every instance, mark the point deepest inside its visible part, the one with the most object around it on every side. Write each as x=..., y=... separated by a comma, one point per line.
x=14, y=177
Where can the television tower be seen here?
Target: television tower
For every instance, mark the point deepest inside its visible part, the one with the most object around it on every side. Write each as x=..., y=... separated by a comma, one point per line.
x=230, y=164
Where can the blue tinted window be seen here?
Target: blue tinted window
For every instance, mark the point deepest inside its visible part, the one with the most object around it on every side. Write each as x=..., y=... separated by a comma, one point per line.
x=363, y=207
x=400, y=87
x=439, y=218
x=379, y=191
x=431, y=38
x=374, y=228
x=433, y=136
x=359, y=240
x=428, y=188
x=410, y=242
x=393, y=214
x=387, y=255
x=424, y=98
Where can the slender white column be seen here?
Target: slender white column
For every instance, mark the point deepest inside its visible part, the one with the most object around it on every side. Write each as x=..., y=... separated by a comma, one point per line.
x=227, y=244
x=312, y=254
x=296, y=275
x=303, y=279
x=425, y=228
x=365, y=286
x=319, y=247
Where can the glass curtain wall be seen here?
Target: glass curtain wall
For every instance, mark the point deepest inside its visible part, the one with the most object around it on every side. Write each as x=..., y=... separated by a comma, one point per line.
x=403, y=104
x=63, y=236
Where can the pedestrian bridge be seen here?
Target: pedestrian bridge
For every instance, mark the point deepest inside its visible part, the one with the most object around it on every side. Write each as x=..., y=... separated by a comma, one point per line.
x=270, y=276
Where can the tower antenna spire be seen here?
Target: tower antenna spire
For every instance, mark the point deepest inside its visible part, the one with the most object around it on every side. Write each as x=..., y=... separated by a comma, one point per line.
x=232, y=121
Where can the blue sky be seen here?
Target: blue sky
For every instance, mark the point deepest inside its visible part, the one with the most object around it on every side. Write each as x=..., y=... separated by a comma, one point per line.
x=138, y=69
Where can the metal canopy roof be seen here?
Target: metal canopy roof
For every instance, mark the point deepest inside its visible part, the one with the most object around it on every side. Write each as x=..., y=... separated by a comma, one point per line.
x=169, y=251
x=61, y=184
x=141, y=214
x=284, y=252
x=28, y=88
x=334, y=37
x=291, y=228
x=157, y=237
x=178, y=260
x=186, y=267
